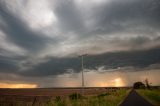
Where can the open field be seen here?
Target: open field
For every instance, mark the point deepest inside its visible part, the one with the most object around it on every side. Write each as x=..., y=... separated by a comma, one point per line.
x=151, y=95
x=60, y=97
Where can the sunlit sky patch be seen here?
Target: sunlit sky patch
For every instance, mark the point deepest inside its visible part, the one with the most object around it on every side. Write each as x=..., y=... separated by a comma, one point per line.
x=5, y=85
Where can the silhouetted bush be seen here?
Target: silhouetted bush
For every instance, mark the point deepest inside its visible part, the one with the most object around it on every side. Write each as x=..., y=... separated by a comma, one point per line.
x=75, y=96
x=138, y=85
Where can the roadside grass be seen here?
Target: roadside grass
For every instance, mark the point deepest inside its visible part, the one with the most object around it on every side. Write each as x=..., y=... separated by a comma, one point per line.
x=152, y=95
x=106, y=99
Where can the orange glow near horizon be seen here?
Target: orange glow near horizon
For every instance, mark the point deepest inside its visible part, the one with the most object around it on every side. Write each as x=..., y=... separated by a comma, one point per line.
x=102, y=84
x=118, y=82
x=7, y=85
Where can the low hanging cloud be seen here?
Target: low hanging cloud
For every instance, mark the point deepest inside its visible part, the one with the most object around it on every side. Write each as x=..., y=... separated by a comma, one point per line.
x=45, y=37
x=102, y=78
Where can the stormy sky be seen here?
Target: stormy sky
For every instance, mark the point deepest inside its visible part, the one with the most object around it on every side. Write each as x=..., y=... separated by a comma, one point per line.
x=41, y=40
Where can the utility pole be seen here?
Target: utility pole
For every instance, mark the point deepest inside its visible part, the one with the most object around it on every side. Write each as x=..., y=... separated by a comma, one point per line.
x=82, y=68
x=82, y=71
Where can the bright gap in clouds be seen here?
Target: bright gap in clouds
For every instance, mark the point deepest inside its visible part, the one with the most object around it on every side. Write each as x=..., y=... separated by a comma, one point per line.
x=118, y=82
x=39, y=14
x=7, y=85
x=107, y=79
x=36, y=14
x=92, y=79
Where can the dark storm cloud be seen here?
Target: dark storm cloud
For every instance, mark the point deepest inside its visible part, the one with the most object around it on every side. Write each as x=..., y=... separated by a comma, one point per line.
x=109, y=17
x=8, y=65
x=128, y=18
x=113, y=60
x=114, y=26
x=69, y=17
x=54, y=66
x=122, y=15
x=124, y=59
